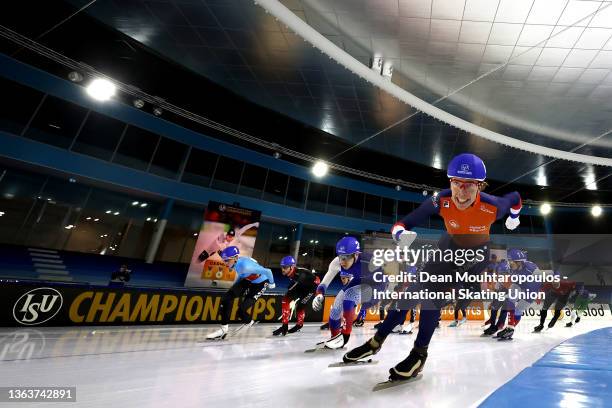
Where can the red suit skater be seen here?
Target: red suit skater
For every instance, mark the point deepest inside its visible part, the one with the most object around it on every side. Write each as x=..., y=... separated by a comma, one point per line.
x=304, y=284
x=557, y=293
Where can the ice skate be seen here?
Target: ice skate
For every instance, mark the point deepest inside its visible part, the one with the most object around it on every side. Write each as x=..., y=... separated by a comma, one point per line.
x=490, y=331
x=295, y=329
x=219, y=334
x=506, y=334
x=411, y=366
x=367, y=349
x=281, y=331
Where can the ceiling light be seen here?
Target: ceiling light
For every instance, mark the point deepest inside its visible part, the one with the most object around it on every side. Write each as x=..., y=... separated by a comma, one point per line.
x=596, y=211
x=116, y=213
x=425, y=192
x=108, y=211
x=134, y=203
x=305, y=253
x=138, y=103
x=1, y=213
x=320, y=168
x=75, y=76
x=158, y=111
x=143, y=205
x=101, y=89
x=88, y=218
x=72, y=180
x=545, y=209
x=69, y=226
x=148, y=218
x=96, y=219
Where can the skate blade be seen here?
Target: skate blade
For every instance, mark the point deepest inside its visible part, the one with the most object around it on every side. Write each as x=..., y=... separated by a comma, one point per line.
x=215, y=339
x=505, y=339
x=353, y=363
x=313, y=350
x=390, y=384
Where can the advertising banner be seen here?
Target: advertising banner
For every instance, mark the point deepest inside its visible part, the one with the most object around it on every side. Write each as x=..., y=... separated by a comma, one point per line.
x=57, y=305
x=224, y=225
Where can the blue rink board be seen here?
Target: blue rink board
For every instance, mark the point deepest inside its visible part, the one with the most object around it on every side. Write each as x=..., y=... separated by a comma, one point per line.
x=577, y=373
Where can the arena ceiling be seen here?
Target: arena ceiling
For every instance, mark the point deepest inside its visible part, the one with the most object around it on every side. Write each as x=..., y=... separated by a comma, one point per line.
x=535, y=71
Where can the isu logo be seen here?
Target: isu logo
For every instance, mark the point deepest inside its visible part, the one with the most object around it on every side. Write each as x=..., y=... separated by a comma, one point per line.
x=37, y=306
x=453, y=224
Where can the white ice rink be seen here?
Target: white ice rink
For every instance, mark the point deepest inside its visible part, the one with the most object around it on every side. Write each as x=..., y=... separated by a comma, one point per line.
x=165, y=366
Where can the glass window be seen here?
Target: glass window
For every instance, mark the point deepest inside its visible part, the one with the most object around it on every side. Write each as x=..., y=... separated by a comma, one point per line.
x=168, y=158
x=317, y=196
x=227, y=174
x=336, y=203
x=354, y=204
x=179, y=239
x=200, y=167
x=296, y=192
x=272, y=244
x=276, y=184
x=136, y=148
x=388, y=210
x=404, y=208
x=15, y=112
x=56, y=123
x=99, y=136
x=372, y=207
x=18, y=192
x=253, y=179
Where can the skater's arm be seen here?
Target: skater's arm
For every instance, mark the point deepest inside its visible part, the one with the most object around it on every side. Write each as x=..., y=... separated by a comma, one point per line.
x=332, y=271
x=244, y=229
x=418, y=216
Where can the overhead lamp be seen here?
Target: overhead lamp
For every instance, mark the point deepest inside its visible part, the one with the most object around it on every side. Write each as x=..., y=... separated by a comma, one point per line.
x=320, y=168
x=138, y=103
x=101, y=89
x=74, y=76
x=596, y=211
x=157, y=111
x=135, y=203
x=545, y=209
x=143, y=205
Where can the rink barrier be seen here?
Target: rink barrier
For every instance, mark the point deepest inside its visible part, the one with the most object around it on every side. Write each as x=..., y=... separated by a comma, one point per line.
x=53, y=304
x=576, y=373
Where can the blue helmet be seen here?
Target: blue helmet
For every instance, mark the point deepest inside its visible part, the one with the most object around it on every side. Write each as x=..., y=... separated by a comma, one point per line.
x=229, y=252
x=347, y=246
x=467, y=166
x=517, y=255
x=287, y=261
x=503, y=267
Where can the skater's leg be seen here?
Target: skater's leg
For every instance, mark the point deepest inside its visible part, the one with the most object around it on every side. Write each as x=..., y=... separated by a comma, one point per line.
x=254, y=292
x=228, y=299
x=428, y=321
x=335, y=314
x=394, y=317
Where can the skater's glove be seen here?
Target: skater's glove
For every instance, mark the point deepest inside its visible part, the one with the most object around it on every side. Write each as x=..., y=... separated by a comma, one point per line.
x=403, y=237
x=317, y=303
x=271, y=285
x=512, y=223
